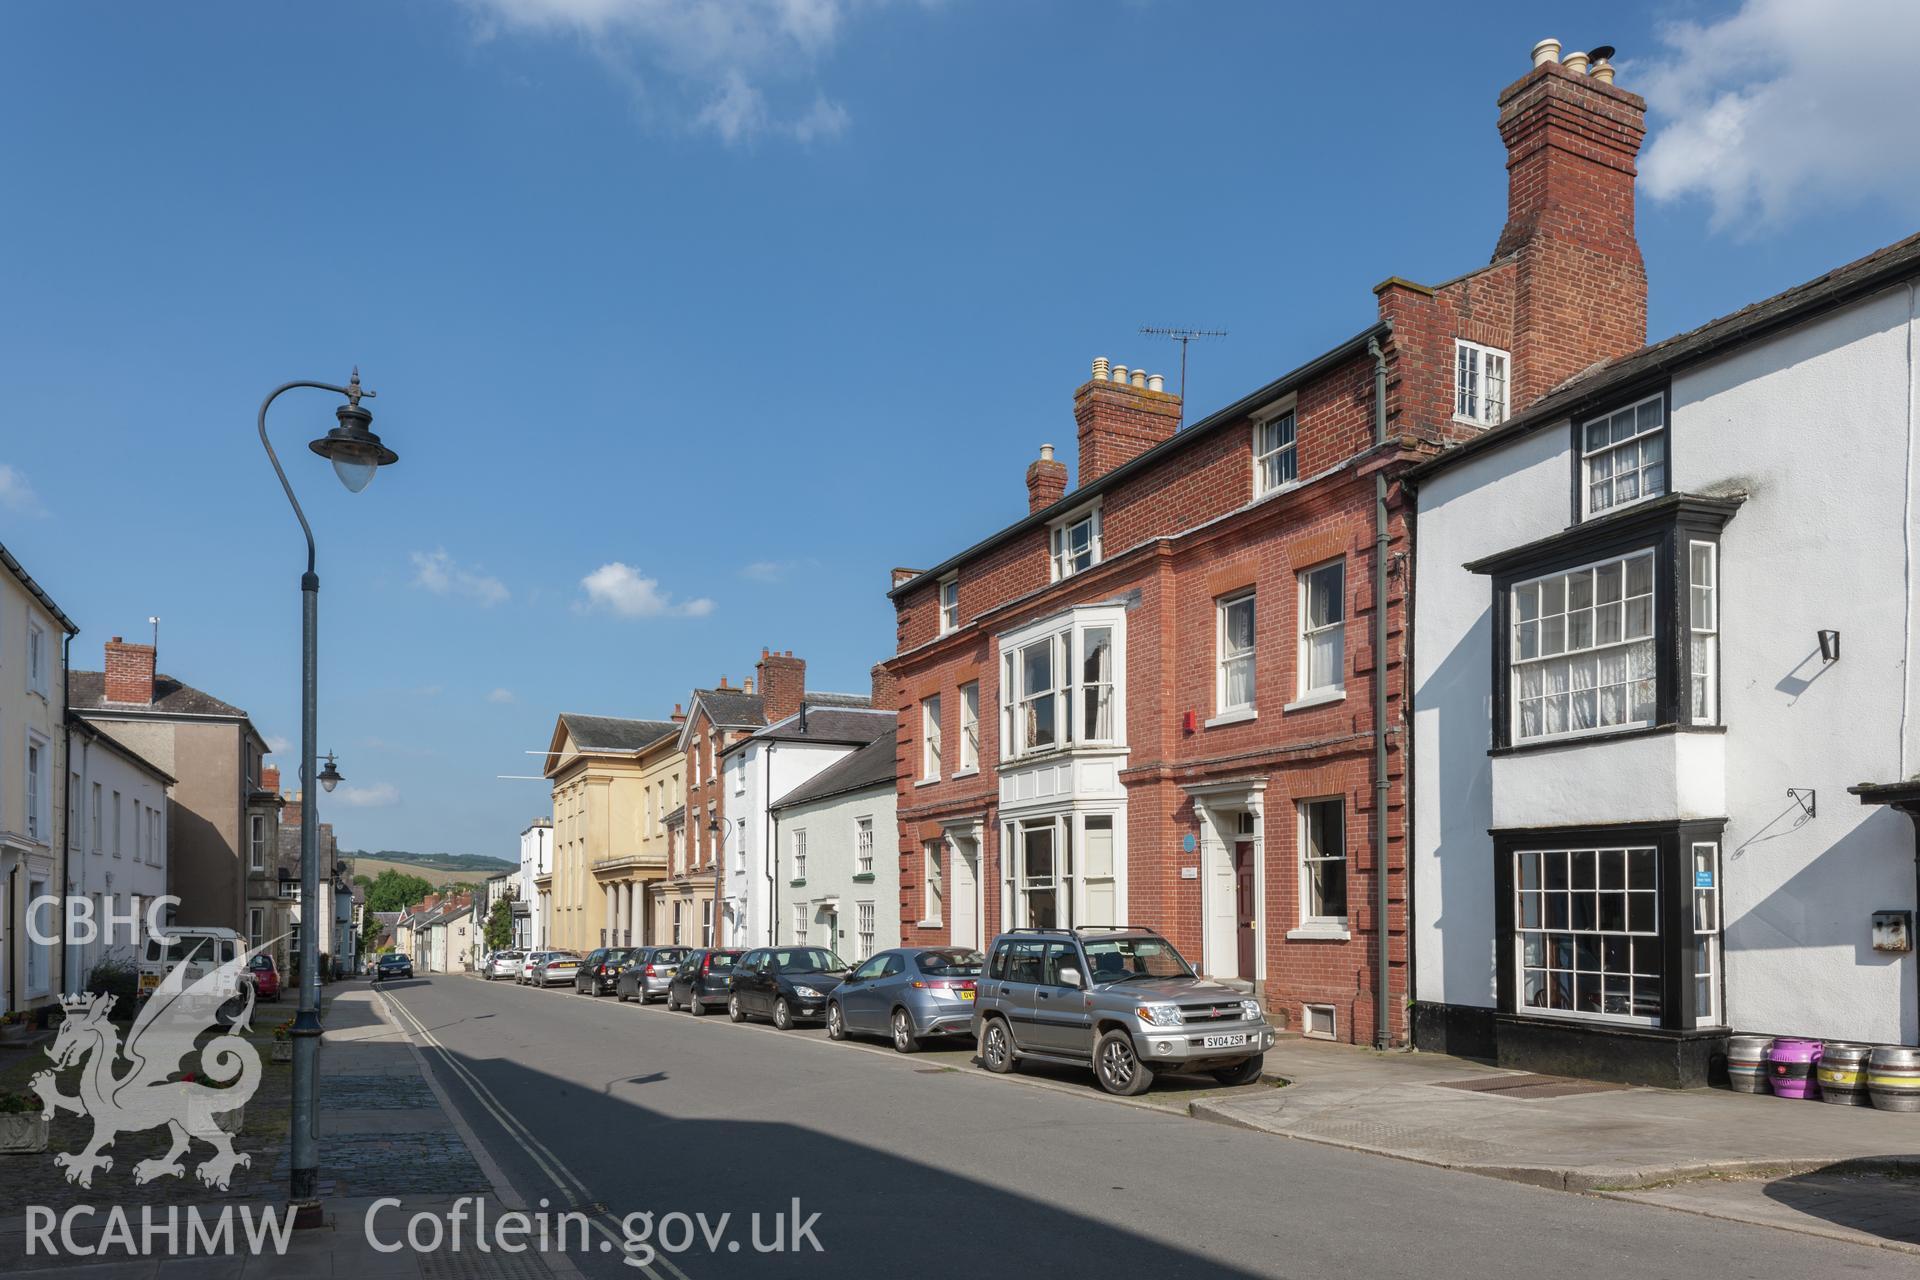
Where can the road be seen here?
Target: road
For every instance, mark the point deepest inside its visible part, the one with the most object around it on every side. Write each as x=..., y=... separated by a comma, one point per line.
x=919, y=1169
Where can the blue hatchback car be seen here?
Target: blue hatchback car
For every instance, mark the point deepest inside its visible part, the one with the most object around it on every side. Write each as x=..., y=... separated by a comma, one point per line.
x=908, y=993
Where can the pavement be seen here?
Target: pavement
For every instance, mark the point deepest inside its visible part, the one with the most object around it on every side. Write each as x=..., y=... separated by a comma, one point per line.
x=922, y=1164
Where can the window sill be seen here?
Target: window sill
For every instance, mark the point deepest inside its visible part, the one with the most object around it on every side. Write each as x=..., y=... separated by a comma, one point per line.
x=1601, y=735
x=1320, y=933
x=863, y=877
x=929, y=924
x=966, y=773
x=1317, y=699
x=1240, y=715
x=925, y=782
x=797, y=884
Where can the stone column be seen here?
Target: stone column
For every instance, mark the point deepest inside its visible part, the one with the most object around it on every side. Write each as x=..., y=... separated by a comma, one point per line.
x=606, y=894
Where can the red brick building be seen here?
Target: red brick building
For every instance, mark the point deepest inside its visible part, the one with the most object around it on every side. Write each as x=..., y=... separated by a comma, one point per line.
x=1172, y=695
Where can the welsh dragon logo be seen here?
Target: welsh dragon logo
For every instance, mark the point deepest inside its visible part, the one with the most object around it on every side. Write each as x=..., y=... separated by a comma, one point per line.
x=129, y=1088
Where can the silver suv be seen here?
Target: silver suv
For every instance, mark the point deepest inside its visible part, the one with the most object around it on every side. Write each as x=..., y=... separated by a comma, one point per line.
x=1117, y=999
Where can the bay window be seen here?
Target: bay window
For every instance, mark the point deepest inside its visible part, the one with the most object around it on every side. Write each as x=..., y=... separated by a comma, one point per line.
x=1062, y=682
x=1063, y=870
x=1583, y=649
x=1703, y=620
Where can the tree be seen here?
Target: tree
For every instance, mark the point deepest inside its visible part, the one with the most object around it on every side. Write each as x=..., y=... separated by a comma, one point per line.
x=500, y=925
x=396, y=891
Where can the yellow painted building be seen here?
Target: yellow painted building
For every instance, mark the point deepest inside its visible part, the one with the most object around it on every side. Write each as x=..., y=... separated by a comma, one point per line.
x=613, y=782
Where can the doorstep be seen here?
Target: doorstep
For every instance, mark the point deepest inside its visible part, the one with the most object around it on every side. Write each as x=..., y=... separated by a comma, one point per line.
x=1461, y=1114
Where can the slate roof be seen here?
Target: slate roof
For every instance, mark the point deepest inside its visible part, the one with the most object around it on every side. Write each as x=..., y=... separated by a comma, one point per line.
x=732, y=708
x=1837, y=288
x=678, y=815
x=870, y=767
x=826, y=699
x=825, y=724
x=37, y=591
x=87, y=691
x=611, y=733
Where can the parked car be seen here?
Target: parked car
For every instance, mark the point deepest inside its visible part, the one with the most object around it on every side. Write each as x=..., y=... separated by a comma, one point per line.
x=909, y=993
x=527, y=964
x=395, y=964
x=600, y=970
x=556, y=968
x=702, y=979
x=784, y=983
x=265, y=978
x=646, y=972
x=1117, y=1000
x=503, y=964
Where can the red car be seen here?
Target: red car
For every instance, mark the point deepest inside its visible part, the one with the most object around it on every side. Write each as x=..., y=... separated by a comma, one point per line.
x=266, y=979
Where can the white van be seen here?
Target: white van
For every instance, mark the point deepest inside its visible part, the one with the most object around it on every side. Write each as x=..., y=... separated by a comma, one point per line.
x=200, y=948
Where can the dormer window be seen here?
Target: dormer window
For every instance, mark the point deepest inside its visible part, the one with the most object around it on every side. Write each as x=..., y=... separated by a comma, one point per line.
x=949, y=604
x=1479, y=383
x=1623, y=455
x=1076, y=543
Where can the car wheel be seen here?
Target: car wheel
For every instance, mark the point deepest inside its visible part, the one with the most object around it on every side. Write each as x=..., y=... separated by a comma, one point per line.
x=694, y=1006
x=734, y=1011
x=836, y=1023
x=620, y=995
x=673, y=1001
x=904, y=1041
x=1242, y=1072
x=996, y=1047
x=1118, y=1067
x=782, y=1014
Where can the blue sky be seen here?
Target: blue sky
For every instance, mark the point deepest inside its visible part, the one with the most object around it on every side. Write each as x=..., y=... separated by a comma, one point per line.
x=689, y=321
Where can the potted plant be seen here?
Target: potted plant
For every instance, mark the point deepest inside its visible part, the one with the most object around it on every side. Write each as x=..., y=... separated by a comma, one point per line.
x=23, y=1123
x=283, y=1042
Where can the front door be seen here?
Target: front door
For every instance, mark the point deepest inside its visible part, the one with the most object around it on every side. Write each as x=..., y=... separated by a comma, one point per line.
x=1243, y=900
x=965, y=892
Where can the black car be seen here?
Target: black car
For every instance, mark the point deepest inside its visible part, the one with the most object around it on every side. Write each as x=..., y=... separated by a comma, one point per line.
x=600, y=970
x=701, y=981
x=393, y=965
x=785, y=984
x=645, y=973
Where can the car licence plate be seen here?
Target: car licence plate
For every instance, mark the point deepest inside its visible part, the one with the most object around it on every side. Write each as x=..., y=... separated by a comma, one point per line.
x=1234, y=1041
x=965, y=995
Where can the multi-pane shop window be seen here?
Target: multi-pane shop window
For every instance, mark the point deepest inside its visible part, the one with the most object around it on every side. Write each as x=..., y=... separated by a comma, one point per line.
x=1322, y=629
x=1479, y=383
x=1583, y=649
x=1587, y=930
x=1624, y=455
x=970, y=726
x=1323, y=853
x=1234, y=691
x=1706, y=928
x=1276, y=455
x=1703, y=619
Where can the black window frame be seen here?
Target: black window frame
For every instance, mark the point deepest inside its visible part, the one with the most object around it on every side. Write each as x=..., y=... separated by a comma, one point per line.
x=1679, y=944
x=1665, y=526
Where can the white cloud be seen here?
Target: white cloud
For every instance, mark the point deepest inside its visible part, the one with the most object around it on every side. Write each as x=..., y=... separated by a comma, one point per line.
x=278, y=744
x=16, y=495
x=437, y=572
x=1784, y=106
x=500, y=695
x=738, y=69
x=377, y=796
x=775, y=570
x=625, y=591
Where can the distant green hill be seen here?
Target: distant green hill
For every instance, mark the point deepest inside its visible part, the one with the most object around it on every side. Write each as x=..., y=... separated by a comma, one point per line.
x=436, y=868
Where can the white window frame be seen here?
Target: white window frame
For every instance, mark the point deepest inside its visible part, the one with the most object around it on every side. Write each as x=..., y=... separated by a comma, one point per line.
x=802, y=915
x=933, y=882
x=1706, y=929
x=1067, y=635
x=37, y=679
x=799, y=853
x=1281, y=455
x=932, y=745
x=1624, y=645
x=1309, y=919
x=1703, y=634
x=39, y=959
x=1477, y=370
x=257, y=842
x=1309, y=692
x=34, y=771
x=1060, y=555
x=97, y=824
x=969, y=728
x=864, y=929
x=1226, y=656
x=1548, y=930
x=256, y=928
x=949, y=603
x=1661, y=466
x=863, y=846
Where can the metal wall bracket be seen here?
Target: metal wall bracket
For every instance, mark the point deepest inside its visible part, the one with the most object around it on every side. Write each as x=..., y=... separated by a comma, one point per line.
x=1802, y=796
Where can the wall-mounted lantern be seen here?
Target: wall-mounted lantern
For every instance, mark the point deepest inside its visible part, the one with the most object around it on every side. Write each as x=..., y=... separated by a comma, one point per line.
x=1830, y=646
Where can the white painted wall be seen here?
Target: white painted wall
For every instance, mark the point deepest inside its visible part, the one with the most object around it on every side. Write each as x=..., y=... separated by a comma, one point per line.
x=1816, y=427
x=536, y=859
x=832, y=826
x=133, y=876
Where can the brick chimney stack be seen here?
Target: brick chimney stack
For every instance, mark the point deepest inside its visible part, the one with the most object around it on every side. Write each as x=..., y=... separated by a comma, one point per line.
x=291, y=806
x=1046, y=480
x=1121, y=416
x=886, y=691
x=129, y=673
x=1580, y=288
x=783, y=683
x=270, y=778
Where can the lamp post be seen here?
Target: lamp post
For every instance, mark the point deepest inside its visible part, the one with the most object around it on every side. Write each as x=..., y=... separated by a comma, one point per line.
x=356, y=453
x=720, y=828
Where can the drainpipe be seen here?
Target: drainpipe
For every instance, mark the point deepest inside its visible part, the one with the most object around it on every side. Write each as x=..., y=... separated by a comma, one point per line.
x=768, y=848
x=1383, y=1023
x=66, y=823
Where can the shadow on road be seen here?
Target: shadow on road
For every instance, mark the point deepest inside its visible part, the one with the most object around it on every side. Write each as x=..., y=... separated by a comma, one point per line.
x=1878, y=1204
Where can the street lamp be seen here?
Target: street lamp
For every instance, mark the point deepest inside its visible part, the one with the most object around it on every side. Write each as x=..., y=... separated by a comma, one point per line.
x=330, y=776
x=720, y=828
x=356, y=453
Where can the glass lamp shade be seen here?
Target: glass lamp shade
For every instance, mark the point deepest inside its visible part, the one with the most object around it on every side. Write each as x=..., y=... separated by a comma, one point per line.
x=355, y=472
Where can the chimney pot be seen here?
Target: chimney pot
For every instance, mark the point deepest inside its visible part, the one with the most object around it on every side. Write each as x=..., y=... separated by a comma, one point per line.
x=1601, y=71
x=1546, y=51
x=1119, y=373
x=1575, y=64
x=1100, y=368
x=1140, y=377
x=1156, y=382
x=1046, y=453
